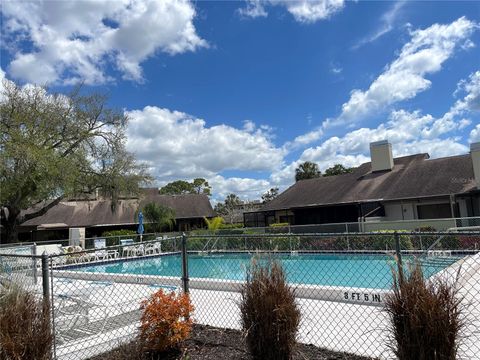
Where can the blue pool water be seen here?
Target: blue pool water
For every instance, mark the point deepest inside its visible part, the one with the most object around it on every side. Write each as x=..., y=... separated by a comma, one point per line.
x=358, y=270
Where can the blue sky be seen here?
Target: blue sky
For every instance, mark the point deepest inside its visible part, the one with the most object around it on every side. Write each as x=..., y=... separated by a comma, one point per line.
x=241, y=92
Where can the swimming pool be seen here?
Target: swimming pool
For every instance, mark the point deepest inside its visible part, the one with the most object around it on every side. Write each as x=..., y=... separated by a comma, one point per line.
x=349, y=270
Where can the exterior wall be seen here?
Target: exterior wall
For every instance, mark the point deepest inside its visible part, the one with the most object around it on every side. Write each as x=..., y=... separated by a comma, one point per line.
x=282, y=214
x=475, y=153
x=462, y=206
x=400, y=211
x=438, y=224
x=407, y=210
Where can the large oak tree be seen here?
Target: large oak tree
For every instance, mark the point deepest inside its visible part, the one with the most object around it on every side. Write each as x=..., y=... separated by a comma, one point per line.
x=180, y=187
x=54, y=146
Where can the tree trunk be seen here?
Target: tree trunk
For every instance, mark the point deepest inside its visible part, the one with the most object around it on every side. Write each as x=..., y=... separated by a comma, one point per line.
x=13, y=220
x=11, y=226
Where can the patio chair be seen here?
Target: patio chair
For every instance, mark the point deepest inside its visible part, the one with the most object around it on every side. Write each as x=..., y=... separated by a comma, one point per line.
x=140, y=250
x=101, y=253
x=79, y=306
x=52, y=249
x=155, y=248
x=127, y=247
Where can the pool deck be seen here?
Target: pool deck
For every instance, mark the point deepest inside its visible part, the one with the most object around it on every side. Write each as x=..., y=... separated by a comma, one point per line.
x=338, y=326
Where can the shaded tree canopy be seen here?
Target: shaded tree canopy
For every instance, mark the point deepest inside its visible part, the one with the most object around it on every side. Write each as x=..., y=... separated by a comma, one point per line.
x=307, y=170
x=158, y=217
x=56, y=146
x=179, y=187
x=337, y=169
x=270, y=195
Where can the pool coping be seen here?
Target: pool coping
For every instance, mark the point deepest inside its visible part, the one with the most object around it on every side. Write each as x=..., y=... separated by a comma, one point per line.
x=292, y=252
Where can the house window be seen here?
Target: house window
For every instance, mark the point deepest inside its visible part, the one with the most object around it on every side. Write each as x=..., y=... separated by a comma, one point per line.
x=286, y=219
x=434, y=211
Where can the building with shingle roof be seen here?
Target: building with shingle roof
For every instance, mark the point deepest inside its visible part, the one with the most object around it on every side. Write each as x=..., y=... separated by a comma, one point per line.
x=384, y=189
x=98, y=215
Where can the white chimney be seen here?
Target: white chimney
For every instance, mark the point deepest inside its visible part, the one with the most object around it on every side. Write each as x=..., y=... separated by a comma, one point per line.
x=475, y=154
x=381, y=155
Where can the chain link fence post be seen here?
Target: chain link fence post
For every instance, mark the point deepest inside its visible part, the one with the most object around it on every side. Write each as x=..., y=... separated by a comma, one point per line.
x=45, y=277
x=398, y=251
x=185, y=278
x=34, y=263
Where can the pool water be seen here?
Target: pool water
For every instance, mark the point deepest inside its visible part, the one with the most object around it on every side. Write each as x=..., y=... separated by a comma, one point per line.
x=352, y=270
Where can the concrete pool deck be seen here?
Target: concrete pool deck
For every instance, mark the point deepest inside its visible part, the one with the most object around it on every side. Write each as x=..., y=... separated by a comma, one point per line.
x=339, y=326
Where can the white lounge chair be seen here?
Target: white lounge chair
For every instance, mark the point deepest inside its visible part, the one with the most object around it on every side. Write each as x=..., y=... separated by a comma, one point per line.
x=52, y=249
x=131, y=249
x=80, y=305
x=127, y=247
x=155, y=248
x=101, y=252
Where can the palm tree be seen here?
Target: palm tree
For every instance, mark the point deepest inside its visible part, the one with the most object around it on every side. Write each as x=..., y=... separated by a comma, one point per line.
x=307, y=170
x=158, y=217
x=214, y=224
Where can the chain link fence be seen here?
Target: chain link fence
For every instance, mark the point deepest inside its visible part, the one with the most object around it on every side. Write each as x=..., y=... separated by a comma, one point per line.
x=340, y=282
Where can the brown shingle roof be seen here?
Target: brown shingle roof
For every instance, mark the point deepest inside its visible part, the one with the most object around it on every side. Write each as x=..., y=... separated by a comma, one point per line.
x=98, y=212
x=411, y=177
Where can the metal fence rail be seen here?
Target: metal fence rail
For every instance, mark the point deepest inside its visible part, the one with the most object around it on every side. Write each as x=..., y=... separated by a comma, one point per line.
x=340, y=282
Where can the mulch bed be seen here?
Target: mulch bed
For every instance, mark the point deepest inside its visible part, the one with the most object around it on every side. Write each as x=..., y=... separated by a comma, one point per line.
x=209, y=343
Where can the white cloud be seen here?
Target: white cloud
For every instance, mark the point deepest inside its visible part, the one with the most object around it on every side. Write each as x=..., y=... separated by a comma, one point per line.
x=404, y=78
x=76, y=40
x=475, y=134
x=253, y=9
x=471, y=87
x=249, y=126
x=469, y=103
x=311, y=11
x=304, y=139
x=245, y=188
x=409, y=132
x=335, y=68
x=387, y=22
x=304, y=11
x=2, y=80
x=177, y=145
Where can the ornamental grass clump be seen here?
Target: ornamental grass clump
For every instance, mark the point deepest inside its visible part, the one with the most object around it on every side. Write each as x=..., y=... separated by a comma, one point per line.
x=269, y=314
x=166, y=321
x=25, y=331
x=426, y=317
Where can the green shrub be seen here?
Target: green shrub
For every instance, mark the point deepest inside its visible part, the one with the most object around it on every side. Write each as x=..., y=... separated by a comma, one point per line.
x=269, y=314
x=285, y=224
x=230, y=231
x=113, y=236
x=231, y=226
x=25, y=331
x=122, y=232
x=425, y=317
x=449, y=242
x=386, y=240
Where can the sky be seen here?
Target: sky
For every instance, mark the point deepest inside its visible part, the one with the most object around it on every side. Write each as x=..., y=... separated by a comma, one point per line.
x=242, y=92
